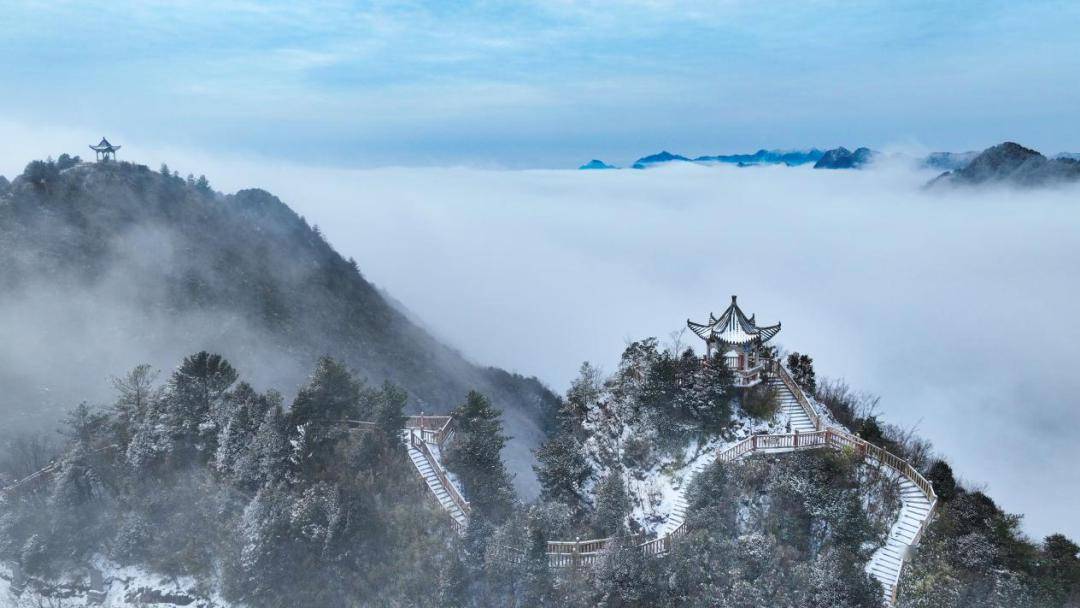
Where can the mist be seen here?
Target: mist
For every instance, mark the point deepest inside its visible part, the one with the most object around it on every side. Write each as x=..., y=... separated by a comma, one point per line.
x=955, y=307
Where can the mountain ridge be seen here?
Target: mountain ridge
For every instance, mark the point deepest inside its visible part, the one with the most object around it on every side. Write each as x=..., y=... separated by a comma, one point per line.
x=138, y=266
x=1013, y=164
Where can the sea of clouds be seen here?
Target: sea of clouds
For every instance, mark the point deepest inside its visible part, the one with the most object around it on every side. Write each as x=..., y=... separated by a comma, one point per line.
x=958, y=308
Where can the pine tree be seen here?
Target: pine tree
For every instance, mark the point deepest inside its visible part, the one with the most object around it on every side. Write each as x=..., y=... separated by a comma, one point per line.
x=319, y=414
x=387, y=409
x=194, y=393
x=584, y=394
x=612, y=506
x=802, y=371
x=474, y=455
x=707, y=397
x=941, y=477
x=136, y=391
x=562, y=471
x=539, y=585
x=271, y=448
x=241, y=417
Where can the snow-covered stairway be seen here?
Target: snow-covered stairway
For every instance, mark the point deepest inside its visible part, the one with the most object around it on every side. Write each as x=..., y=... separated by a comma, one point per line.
x=916, y=503
x=790, y=407
x=429, y=467
x=886, y=563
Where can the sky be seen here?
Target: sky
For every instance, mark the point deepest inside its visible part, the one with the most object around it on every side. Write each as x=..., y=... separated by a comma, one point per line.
x=543, y=84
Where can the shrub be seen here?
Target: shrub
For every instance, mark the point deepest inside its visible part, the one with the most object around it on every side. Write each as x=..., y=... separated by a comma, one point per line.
x=760, y=401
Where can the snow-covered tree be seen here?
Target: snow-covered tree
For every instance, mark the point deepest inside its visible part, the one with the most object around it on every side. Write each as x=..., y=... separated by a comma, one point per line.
x=562, y=471
x=612, y=506
x=474, y=455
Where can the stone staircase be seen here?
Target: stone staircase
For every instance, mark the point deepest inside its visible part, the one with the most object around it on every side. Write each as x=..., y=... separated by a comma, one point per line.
x=790, y=408
x=426, y=468
x=886, y=563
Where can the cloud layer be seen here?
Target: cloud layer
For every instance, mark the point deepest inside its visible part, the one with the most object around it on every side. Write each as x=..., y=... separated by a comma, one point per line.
x=957, y=308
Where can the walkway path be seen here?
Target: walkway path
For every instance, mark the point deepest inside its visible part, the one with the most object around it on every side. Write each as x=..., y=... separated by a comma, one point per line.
x=426, y=437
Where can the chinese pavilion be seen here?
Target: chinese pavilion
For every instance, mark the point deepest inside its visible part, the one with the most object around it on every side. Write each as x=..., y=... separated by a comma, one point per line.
x=736, y=336
x=105, y=150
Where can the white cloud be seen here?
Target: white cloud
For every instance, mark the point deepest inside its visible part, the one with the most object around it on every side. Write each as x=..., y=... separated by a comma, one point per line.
x=956, y=308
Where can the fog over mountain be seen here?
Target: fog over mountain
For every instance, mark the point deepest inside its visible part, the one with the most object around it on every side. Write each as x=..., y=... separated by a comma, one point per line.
x=110, y=265
x=954, y=306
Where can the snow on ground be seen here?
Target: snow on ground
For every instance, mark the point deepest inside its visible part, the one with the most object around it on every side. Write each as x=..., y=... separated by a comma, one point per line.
x=656, y=492
x=127, y=587
x=436, y=451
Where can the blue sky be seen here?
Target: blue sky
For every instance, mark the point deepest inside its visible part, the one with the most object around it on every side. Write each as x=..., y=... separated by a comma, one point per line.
x=544, y=84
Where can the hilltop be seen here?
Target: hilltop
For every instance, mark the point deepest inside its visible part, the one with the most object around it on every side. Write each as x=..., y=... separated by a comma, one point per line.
x=1011, y=163
x=109, y=265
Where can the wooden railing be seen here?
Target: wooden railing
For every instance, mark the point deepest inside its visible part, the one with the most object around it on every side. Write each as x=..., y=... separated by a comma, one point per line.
x=433, y=429
x=778, y=368
x=750, y=377
x=459, y=500
x=568, y=554
x=577, y=546
x=48, y=470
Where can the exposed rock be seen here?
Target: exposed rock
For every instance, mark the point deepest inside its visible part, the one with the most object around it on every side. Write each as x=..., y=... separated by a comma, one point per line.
x=596, y=164
x=1011, y=163
x=791, y=158
x=842, y=158
x=949, y=161
x=655, y=159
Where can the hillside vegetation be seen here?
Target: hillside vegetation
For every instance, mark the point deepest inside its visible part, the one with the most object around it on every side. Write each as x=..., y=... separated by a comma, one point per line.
x=109, y=265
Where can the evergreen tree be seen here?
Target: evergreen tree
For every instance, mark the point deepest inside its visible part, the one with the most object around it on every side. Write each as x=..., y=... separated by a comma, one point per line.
x=319, y=414
x=386, y=408
x=802, y=371
x=539, y=584
x=941, y=477
x=235, y=459
x=584, y=394
x=562, y=471
x=136, y=392
x=271, y=447
x=612, y=506
x=474, y=455
x=194, y=393
x=66, y=161
x=706, y=397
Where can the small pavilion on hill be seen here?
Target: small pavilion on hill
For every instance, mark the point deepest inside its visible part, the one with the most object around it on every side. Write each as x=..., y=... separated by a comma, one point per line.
x=737, y=337
x=105, y=151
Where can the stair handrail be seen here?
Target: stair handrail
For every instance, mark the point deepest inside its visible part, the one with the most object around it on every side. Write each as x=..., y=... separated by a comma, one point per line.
x=459, y=500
